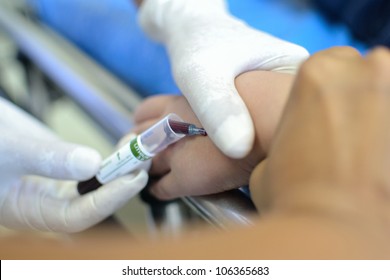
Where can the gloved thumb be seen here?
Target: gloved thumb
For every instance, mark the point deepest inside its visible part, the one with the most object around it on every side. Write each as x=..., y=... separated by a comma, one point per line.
x=95, y=206
x=54, y=158
x=223, y=114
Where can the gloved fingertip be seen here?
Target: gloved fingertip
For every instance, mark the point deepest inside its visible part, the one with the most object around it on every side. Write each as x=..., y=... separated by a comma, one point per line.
x=139, y=177
x=115, y=194
x=301, y=52
x=234, y=138
x=127, y=185
x=83, y=163
x=95, y=206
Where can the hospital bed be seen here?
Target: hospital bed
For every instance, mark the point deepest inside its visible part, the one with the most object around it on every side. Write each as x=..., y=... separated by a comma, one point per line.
x=109, y=103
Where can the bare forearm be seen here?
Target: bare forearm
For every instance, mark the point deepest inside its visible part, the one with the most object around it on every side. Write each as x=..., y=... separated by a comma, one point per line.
x=273, y=238
x=265, y=94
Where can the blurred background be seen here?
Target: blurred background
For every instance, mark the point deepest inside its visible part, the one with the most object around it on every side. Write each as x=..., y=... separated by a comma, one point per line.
x=82, y=67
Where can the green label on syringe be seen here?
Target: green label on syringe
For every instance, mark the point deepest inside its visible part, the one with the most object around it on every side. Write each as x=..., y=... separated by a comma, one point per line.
x=136, y=151
x=127, y=159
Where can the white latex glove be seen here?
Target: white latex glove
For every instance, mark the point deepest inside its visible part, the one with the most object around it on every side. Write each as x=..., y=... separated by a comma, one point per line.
x=33, y=165
x=208, y=48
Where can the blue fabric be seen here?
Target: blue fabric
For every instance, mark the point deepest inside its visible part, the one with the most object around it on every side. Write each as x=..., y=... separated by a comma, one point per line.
x=107, y=30
x=369, y=20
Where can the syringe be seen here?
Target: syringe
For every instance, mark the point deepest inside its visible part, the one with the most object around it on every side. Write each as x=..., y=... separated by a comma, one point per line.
x=140, y=149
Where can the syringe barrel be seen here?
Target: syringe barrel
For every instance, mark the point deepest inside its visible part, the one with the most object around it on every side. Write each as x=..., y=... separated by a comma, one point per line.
x=159, y=136
x=134, y=154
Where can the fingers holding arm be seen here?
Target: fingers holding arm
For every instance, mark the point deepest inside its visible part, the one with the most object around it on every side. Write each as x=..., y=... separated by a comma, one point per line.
x=265, y=94
x=330, y=155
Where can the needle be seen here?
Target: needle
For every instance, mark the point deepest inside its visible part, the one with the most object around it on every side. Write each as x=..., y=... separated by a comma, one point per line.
x=186, y=128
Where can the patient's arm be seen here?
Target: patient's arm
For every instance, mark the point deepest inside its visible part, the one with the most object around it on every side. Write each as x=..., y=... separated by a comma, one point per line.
x=194, y=165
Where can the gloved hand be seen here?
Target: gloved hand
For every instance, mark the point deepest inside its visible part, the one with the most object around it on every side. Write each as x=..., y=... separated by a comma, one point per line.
x=33, y=166
x=208, y=48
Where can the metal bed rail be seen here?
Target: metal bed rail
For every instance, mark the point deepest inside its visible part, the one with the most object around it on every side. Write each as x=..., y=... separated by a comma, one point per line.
x=107, y=100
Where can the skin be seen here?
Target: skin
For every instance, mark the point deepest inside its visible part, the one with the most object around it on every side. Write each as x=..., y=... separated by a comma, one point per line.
x=346, y=102
x=323, y=191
